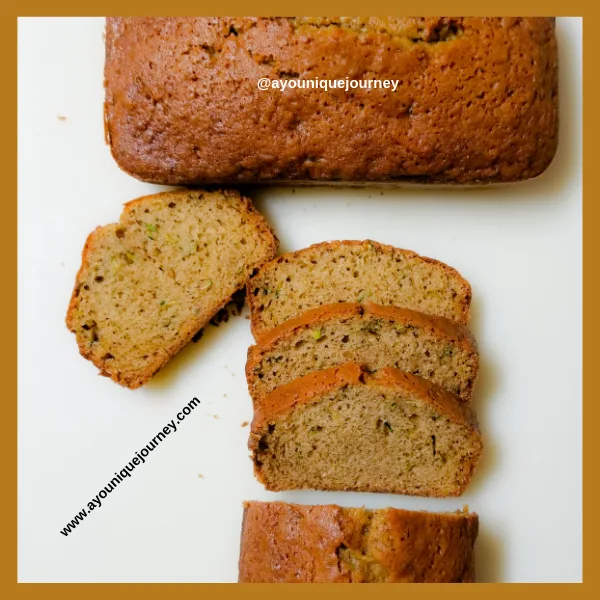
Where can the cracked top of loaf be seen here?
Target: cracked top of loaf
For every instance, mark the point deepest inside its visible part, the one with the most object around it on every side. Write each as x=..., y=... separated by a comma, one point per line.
x=476, y=99
x=292, y=543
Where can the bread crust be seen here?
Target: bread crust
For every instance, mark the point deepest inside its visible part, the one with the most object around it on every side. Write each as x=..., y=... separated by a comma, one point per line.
x=441, y=327
x=477, y=100
x=291, y=543
x=259, y=330
x=310, y=388
x=192, y=326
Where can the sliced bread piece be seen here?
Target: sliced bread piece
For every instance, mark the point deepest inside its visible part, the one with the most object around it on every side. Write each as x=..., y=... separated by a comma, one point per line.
x=345, y=429
x=148, y=283
x=376, y=336
x=292, y=543
x=353, y=271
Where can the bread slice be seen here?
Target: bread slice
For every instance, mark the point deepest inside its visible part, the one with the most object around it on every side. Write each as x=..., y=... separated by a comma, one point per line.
x=292, y=543
x=345, y=429
x=148, y=283
x=376, y=336
x=352, y=271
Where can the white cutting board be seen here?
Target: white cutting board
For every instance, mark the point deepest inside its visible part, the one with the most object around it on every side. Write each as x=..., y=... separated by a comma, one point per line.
x=519, y=246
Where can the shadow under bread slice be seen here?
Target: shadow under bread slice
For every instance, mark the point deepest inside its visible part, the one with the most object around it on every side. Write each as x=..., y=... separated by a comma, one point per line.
x=354, y=271
x=375, y=336
x=346, y=429
x=292, y=543
x=150, y=282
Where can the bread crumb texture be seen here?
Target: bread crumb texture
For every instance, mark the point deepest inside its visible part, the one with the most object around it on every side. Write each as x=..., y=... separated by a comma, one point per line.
x=435, y=348
x=149, y=283
x=358, y=272
x=346, y=429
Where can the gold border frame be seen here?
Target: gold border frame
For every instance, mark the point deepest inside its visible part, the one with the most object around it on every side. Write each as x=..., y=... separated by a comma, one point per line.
x=8, y=242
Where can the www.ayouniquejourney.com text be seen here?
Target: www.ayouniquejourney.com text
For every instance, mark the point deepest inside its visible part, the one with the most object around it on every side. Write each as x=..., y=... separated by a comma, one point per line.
x=138, y=460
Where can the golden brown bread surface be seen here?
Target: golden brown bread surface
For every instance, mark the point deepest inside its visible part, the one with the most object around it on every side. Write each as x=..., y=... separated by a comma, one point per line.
x=291, y=543
x=354, y=271
x=343, y=428
x=148, y=283
x=375, y=336
x=476, y=99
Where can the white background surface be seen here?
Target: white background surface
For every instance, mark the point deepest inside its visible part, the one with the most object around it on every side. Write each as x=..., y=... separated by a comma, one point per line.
x=519, y=246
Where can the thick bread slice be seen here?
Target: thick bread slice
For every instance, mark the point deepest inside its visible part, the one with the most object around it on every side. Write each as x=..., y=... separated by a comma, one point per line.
x=346, y=429
x=148, y=283
x=376, y=336
x=353, y=271
x=291, y=543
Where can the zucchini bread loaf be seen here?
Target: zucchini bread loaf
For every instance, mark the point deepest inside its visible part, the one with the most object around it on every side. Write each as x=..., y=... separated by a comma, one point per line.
x=148, y=283
x=354, y=271
x=345, y=429
x=468, y=99
x=375, y=336
x=291, y=543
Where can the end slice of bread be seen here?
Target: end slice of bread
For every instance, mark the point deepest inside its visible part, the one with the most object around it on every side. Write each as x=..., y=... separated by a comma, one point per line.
x=354, y=271
x=292, y=543
x=375, y=336
x=150, y=282
x=345, y=429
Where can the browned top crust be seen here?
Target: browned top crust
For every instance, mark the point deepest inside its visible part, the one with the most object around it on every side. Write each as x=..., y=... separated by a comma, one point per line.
x=309, y=388
x=442, y=326
x=477, y=99
x=290, y=543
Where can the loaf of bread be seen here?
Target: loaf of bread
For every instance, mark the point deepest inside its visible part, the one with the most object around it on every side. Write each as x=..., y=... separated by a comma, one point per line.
x=148, y=283
x=468, y=99
x=375, y=336
x=345, y=429
x=353, y=271
x=291, y=543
